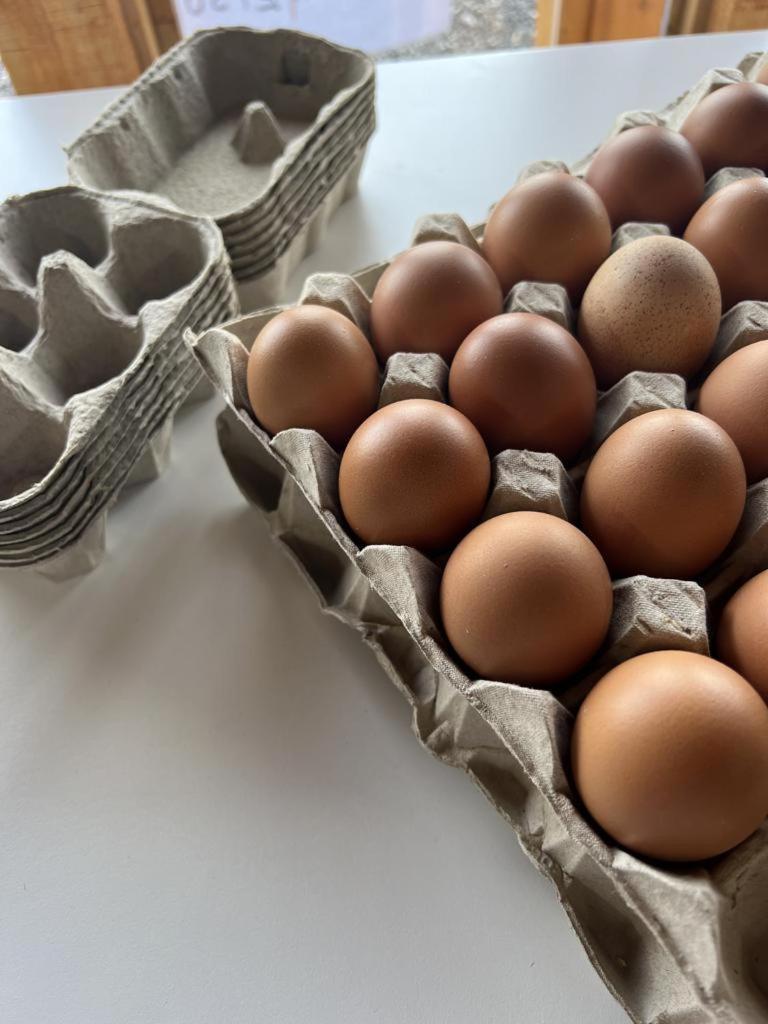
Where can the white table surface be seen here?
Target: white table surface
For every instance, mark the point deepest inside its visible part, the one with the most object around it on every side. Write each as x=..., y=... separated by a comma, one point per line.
x=211, y=806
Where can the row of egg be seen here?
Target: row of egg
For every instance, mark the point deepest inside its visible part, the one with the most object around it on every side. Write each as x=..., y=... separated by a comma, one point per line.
x=527, y=597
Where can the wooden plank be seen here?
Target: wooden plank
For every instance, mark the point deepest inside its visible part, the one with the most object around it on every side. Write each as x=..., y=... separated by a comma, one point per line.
x=163, y=15
x=563, y=21
x=626, y=19
x=737, y=15
x=138, y=22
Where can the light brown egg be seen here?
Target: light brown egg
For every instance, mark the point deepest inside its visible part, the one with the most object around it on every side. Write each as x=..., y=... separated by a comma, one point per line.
x=735, y=395
x=731, y=230
x=655, y=306
x=552, y=227
x=648, y=173
x=525, y=383
x=742, y=636
x=729, y=127
x=430, y=297
x=670, y=756
x=762, y=76
x=415, y=472
x=663, y=495
x=312, y=367
x=526, y=598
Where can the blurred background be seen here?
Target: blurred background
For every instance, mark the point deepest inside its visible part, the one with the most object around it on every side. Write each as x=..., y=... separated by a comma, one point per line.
x=49, y=45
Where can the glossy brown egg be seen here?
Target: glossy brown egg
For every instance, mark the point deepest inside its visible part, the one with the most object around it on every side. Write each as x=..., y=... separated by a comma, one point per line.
x=430, y=297
x=525, y=383
x=648, y=173
x=670, y=756
x=664, y=495
x=742, y=636
x=731, y=230
x=415, y=472
x=526, y=598
x=735, y=395
x=729, y=128
x=552, y=227
x=655, y=306
x=312, y=367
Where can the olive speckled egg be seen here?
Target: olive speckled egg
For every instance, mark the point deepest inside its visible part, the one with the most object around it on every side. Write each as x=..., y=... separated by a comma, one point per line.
x=664, y=495
x=526, y=598
x=416, y=472
x=731, y=230
x=552, y=227
x=655, y=306
x=312, y=367
x=742, y=635
x=525, y=383
x=670, y=756
x=729, y=127
x=430, y=297
x=648, y=173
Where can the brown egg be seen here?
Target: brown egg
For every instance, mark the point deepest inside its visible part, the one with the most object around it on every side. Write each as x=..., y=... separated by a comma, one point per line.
x=664, y=495
x=742, y=636
x=670, y=756
x=649, y=174
x=729, y=128
x=312, y=367
x=655, y=306
x=430, y=297
x=762, y=76
x=552, y=227
x=735, y=395
x=526, y=383
x=416, y=472
x=731, y=230
x=526, y=598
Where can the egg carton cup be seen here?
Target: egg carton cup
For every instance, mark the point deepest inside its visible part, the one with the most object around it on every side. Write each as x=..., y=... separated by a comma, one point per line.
x=96, y=290
x=263, y=130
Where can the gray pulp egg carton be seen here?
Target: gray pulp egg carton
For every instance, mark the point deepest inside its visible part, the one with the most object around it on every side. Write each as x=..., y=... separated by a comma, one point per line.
x=95, y=292
x=265, y=131
x=673, y=944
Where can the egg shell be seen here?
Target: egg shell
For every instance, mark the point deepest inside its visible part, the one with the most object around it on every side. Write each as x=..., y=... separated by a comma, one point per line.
x=742, y=634
x=430, y=297
x=525, y=383
x=654, y=305
x=663, y=495
x=552, y=227
x=648, y=173
x=670, y=756
x=731, y=230
x=526, y=598
x=762, y=75
x=735, y=395
x=312, y=367
x=729, y=127
x=416, y=472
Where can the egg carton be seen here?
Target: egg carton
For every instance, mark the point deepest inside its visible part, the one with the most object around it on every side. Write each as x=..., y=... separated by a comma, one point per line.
x=263, y=130
x=95, y=292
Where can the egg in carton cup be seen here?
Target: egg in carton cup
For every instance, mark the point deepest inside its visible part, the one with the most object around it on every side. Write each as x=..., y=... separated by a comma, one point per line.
x=95, y=291
x=265, y=131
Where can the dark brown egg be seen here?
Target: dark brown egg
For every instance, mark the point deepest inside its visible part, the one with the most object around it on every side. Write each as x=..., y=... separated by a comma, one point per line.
x=735, y=395
x=649, y=174
x=731, y=230
x=742, y=636
x=729, y=128
x=670, y=756
x=664, y=495
x=312, y=367
x=430, y=297
x=526, y=383
x=552, y=227
x=415, y=472
x=655, y=306
x=526, y=598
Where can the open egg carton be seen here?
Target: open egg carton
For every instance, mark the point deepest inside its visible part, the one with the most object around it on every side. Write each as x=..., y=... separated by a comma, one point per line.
x=674, y=944
x=265, y=131
x=95, y=291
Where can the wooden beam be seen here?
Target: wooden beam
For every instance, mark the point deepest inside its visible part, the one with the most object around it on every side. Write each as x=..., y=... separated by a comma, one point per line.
x=585, y=21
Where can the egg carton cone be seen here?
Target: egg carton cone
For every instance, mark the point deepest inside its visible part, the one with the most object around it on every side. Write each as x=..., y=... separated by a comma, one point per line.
x=95, y=293
x=262, y=130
